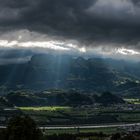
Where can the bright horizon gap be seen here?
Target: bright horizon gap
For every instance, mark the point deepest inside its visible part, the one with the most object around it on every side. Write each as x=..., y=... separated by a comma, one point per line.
x=63, y=46
x=54, y=45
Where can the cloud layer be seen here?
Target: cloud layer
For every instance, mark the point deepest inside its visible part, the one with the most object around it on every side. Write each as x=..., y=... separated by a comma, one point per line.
x=91, y=23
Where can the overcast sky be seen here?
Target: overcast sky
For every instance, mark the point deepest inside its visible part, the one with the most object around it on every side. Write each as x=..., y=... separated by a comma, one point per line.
x=104, y=27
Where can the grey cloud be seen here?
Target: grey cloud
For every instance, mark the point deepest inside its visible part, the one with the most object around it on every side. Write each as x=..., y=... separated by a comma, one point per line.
x=88, y=21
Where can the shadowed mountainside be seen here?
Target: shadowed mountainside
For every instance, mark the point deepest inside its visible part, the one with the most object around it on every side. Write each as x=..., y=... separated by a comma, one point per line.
x=62, y=98
x=66, y=72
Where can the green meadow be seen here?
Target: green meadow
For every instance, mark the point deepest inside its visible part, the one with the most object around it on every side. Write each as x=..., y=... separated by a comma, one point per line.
x=45, y=108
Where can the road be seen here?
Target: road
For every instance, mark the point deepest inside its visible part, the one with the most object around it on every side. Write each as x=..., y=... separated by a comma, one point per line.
x=85, y=126
x=92, y=126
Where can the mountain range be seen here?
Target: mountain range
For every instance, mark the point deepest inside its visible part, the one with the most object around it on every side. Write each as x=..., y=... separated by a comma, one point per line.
x=45, y=71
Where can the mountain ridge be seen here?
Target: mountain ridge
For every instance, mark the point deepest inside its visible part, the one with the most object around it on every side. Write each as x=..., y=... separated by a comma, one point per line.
x=67, y=72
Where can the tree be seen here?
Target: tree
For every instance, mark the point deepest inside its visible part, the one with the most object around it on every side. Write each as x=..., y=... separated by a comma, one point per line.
x=22, y=128
x=116, y=136
x=129, y=137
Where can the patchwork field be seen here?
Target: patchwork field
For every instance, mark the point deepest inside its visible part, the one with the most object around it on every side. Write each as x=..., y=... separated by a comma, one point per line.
x=64, y=115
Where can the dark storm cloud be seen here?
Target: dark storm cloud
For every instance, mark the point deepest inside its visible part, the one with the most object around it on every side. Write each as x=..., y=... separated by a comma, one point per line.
x=100, y=21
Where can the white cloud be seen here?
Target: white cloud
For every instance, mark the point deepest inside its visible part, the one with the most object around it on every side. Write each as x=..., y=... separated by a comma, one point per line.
x=33, y=44
x=125, y=51
x=27, y=39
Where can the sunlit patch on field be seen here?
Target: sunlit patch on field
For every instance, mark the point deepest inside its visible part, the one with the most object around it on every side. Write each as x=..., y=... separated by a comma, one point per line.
x=46, y=108
x=133, y=101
